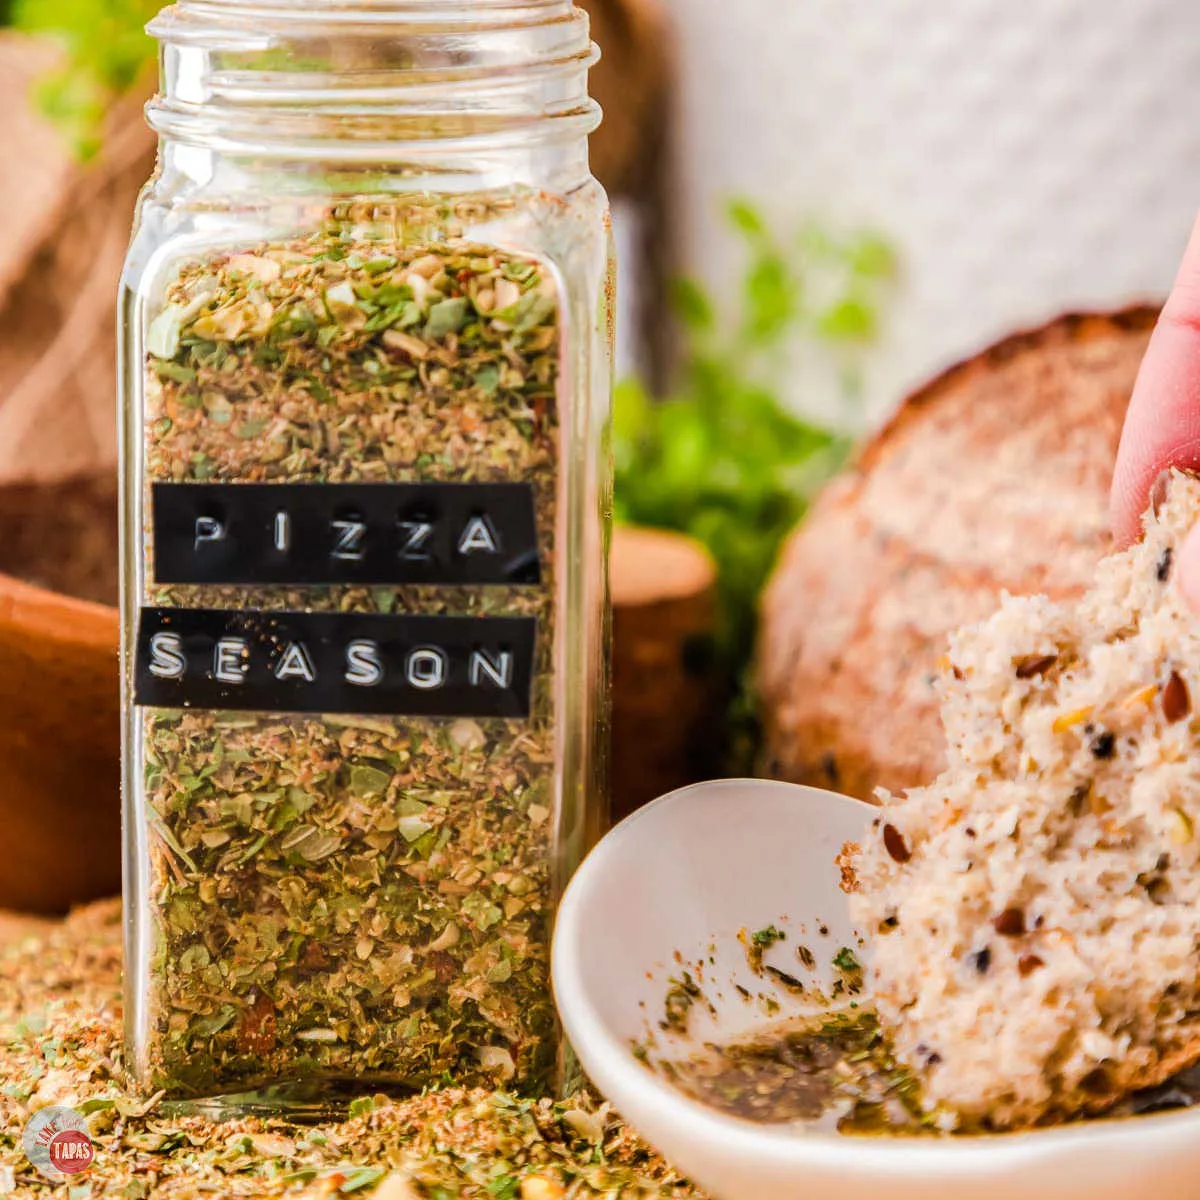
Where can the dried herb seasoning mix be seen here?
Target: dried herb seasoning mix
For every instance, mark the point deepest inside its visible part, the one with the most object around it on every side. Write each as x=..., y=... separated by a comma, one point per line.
x=60, y=1007
x=364, y=595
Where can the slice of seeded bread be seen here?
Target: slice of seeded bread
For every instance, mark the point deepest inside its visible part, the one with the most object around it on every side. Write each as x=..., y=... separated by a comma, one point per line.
x=994, y=477
x=1035, y=911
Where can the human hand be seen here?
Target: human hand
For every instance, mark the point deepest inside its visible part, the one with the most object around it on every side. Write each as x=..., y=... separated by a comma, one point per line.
x=1162, y=426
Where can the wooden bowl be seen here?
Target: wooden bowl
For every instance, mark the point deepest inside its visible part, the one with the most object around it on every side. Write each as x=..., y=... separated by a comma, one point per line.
x=60, y=800
x=666, y=690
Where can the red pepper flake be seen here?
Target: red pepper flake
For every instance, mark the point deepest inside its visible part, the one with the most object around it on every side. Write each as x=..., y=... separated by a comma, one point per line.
x=1010, y=923
x=1176, y=700
x=314, y=957
x=1028, y=963
x=1032, y=665
x=257, y=1032
x=894, y=843
x=445, y=966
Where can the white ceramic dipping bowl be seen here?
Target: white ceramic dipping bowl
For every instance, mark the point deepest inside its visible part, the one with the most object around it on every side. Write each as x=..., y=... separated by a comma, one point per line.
x=687, y=873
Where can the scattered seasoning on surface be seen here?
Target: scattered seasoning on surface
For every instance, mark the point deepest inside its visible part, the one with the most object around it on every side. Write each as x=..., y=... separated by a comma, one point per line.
x=1028, y=963
x=60, y=1038
x=981, y=960
x=347, y=897
x=1163, y=568
x=1103, y=745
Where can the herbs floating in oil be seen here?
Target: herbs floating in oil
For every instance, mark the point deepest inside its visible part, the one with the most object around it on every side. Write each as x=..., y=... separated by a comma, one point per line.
x=833, y=1071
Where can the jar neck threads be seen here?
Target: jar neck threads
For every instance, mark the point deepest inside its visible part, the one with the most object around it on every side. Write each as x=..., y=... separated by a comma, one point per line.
x=401, y=81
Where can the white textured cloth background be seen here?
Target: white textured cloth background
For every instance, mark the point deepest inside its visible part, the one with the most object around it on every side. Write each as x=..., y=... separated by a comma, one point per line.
x=1025, y=158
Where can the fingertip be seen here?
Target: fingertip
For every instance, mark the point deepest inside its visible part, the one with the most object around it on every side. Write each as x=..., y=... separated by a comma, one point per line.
x=1194, y=240
x=1122, y=510
x=1131, y=498
x=1162, y=422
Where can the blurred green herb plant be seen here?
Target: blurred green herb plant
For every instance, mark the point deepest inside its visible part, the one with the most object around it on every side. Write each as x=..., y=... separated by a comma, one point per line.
x=721, y=457
x=105, y=51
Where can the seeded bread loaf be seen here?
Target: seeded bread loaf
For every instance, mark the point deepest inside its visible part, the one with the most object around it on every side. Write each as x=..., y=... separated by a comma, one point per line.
x=1035, y=911
x=994, y=477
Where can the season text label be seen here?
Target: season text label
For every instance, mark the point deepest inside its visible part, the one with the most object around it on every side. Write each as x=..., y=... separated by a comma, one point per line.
x=335, y=663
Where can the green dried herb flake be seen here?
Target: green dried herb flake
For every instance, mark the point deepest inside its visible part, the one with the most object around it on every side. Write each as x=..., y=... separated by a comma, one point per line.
x=446, y=317
x=845, y=960
x=768, y=936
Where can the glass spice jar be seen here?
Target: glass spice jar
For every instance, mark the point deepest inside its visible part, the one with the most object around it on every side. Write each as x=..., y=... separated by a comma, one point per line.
x=366, y=384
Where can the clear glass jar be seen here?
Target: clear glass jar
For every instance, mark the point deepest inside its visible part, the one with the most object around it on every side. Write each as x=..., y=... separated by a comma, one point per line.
x=366, y=383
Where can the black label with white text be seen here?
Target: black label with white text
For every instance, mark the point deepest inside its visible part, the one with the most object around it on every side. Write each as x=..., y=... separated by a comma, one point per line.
x=345, y=533
x=350, y=663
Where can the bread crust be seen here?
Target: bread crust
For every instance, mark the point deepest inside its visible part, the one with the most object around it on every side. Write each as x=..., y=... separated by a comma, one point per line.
x=993, y=477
